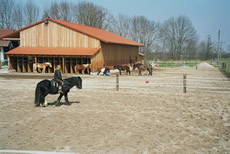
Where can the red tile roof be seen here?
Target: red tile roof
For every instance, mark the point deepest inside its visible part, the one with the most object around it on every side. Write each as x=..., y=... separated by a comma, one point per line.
x=4, y=32
x=53, y=51
x=100, y=34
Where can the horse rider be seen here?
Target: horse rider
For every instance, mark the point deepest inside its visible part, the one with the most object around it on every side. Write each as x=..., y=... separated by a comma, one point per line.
x=58, y=78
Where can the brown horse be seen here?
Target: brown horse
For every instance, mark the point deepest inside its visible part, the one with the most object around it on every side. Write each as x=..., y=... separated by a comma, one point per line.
x=143, y=67
x=132, y=62
x=83, y=68
x=38, y=66
x=122, y=68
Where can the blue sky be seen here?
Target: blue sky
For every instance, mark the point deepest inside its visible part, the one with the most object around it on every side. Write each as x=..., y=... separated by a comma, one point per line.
x=207, y=16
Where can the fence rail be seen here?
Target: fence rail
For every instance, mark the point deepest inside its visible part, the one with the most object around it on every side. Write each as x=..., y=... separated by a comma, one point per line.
x=177, y=84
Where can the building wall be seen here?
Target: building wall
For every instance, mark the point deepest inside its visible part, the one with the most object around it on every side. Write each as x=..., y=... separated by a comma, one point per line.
x=115, y=54
x=55, y=35
x=1, y=54
x=97, y=61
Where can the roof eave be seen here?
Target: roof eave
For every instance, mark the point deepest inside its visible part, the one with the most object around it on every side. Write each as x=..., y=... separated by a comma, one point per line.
x=140, y=45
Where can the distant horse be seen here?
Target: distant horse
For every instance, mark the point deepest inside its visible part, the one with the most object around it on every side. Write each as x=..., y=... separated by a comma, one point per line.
x=44, y=88
x=38, y=66
x=154, y=65
x=103, y=70
x=122, y=68
x=143, y=67
x=83, y=68
x=132, y=62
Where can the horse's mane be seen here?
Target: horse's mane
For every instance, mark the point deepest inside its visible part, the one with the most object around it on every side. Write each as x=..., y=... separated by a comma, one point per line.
x=73, y=80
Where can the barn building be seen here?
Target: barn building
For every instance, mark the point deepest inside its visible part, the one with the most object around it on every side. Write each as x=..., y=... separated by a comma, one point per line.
x=68, y=44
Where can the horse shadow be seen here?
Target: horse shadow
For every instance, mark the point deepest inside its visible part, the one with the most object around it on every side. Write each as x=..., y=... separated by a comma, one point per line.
x=62, y=103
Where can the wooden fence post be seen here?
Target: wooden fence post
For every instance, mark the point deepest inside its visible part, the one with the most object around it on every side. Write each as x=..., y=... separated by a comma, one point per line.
x=117, y=82
x=184, y=82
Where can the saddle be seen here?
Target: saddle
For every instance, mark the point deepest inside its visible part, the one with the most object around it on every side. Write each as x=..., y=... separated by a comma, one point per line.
x=54, y=83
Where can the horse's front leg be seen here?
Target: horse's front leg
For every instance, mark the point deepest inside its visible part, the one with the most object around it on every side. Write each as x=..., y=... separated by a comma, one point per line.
x=44, y=69
x=34, y=68
x=66, y=99
x=139, y=72
x=59, y=99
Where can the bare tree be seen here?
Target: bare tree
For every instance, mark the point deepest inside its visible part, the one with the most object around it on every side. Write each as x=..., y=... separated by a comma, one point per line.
x=144, y=31
x=191, y=50
x=209, y=52
x=90, y=14
x=177, y=33
x=121, y=25
x=52, y=11
x=62, y=11
x=202, y=49
x=31, y=13
x=18, y=17
x=6, y=9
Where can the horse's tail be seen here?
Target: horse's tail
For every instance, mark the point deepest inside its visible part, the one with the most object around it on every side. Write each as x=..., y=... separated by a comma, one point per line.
x=37, y=95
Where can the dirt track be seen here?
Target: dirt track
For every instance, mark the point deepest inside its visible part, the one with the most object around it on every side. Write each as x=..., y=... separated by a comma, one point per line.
x=139, y=118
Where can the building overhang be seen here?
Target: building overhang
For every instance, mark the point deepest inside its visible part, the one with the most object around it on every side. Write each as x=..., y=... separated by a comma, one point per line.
x=39, y=51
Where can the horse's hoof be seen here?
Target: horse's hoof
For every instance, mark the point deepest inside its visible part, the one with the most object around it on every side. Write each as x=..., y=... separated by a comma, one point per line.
x=68, y=103
x=58, y=104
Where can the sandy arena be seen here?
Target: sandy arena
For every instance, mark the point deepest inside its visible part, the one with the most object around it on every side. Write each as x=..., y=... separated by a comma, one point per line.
x=149, y=114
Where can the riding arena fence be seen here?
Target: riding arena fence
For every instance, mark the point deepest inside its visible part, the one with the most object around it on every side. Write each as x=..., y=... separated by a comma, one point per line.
x=179, y=84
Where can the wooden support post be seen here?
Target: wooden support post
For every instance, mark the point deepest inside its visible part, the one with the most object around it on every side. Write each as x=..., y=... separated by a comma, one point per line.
x=23, y=69
x=9, y=63
x=117, y=82
x=71, y=67
x=54, y=64
x=28, y=65
x=63, y=64
x=184, y=82
x=35, y=60
x=16, y=64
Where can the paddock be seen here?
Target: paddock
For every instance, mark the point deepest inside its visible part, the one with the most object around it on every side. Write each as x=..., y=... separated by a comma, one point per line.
x=141, y=117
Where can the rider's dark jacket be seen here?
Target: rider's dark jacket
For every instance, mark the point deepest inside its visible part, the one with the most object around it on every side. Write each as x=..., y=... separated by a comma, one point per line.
x=58, y=77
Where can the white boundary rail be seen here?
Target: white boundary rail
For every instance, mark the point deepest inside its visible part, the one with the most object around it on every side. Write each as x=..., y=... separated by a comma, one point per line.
x=192, y=84
x=32, y=152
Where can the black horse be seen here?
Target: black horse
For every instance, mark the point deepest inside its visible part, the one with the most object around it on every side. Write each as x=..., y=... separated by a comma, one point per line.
x=44, y=88
x=122, y=68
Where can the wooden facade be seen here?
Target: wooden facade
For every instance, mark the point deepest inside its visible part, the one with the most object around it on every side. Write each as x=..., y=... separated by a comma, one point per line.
x=56, y=35
x=115, y=54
